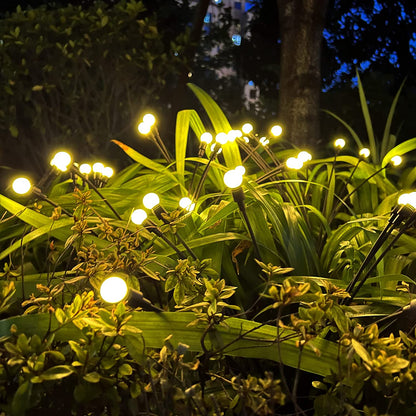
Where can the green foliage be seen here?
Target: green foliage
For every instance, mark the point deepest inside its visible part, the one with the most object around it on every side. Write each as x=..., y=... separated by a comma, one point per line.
x=63, y=76
x=248, y=286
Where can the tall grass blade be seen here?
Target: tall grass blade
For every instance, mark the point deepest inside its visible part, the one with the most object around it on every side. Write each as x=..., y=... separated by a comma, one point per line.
x=367, y=120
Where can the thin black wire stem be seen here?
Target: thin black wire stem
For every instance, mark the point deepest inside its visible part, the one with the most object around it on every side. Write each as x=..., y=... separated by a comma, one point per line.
x=91, y=184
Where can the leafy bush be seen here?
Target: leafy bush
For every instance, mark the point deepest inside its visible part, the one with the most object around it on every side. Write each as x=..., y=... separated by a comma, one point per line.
x=243, y=301
x=63, y=76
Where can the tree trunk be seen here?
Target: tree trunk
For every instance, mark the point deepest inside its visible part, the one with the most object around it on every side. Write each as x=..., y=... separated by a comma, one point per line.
x=301, y=25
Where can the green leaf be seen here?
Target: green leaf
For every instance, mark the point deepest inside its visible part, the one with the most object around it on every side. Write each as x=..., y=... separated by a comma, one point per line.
x=21, y=399
x=92, y=377
x=367, y=119
x=184, y=120
x=386, y=134
x=14, y=131
x=57, y=372
x=361, y=351
x=145, y=161
x=399, y=150
x=220, y=123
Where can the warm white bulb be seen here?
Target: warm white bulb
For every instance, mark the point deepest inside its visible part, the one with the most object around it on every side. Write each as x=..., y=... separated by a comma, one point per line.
x=213, y=148
x=144, y=128
x=108, y=172
x=21, y=186
x=294, y=163
x=364, y=152
x=233, y=179
x=240, y=169
x=221, y=138
x=304, y=156
x=264, y=141
x=61, y=161
x=151, y=200
x=138, y=216
x=246, y=139
x=85, y=169
x=149, y=119
x=114, y=289
x=396, y=160
x=407, y=199
x=247, y=128
x=186, y=203
x=206, y=137
x=233, y=134
x=276, y=130
x=98, y=168
x=339, y=143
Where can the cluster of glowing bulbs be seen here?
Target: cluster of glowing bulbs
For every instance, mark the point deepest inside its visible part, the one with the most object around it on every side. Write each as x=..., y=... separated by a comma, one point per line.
x=298, y=162
x=146, y=125
x=234, y=177
x=113, y=289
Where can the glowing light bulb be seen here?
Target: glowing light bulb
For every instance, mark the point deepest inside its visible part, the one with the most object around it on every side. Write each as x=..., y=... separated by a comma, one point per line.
x=221, y=138
x=276, y=130
x=233, y=134
x=61, y=161
x=293, y=163
x=114, y=289
x=144, y=128
x=396, y=160
x=213, y=147
x=246, y=139
x=339, y=143
x=98, y=168
x=240, y=169
x=407, y=199
x=149, y=119
x=108, y=172
x=304, y=156
x=186, y=203
x=85, y=169
x=247, y=128
x=364, y=152
x=21, y=186
x=151, y=200
x=264, y=141
x=233, y=179
x=206, y=138
x=138, y=216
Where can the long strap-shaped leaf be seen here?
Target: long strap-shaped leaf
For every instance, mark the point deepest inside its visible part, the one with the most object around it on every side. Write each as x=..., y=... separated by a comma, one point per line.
x=400, y=149
x=184, y=120
x=220, y=123
x=239, y=337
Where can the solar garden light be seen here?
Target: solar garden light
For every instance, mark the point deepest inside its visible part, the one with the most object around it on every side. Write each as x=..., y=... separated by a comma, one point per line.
x=139, y=217
x=403, y=216
x=220, y=139
x=63, y=162
x=152, y=201
x=23, y=186
x=233, y=179
x=148, y=128
x=114, y=289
